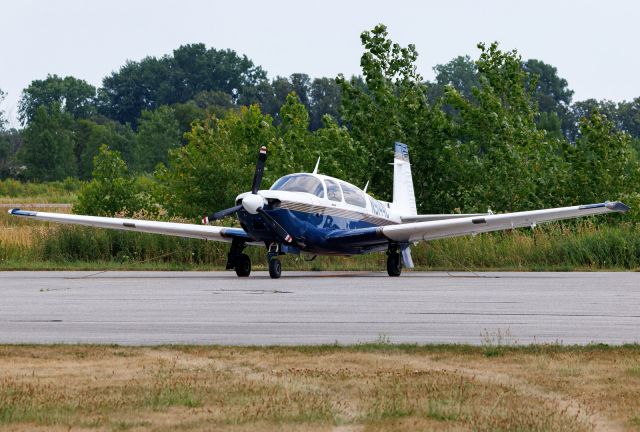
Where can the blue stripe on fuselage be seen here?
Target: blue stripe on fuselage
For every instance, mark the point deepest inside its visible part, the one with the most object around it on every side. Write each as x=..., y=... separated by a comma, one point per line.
x=317, y=233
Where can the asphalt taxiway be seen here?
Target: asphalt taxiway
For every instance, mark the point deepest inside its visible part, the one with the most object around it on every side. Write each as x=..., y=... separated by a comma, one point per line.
x=318, y=308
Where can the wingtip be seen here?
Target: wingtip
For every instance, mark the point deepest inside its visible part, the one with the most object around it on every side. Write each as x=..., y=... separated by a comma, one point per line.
x=18, y=212
x=618, y=206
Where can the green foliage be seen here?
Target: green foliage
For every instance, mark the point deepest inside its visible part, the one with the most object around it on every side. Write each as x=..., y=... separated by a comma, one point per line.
x=604, y=164
x=74, y=96
x=491, y=132
x=216, y=164
x=3, y=120
x=219, y=160
x=152, y=82
x=158, y=132
x=390, y=108
x=500, y=159
x=91, y=134
x=562, y=247
x=58, y=191
x=112, y=191
x=460, y=73
x=10, y=142
x=48, y=149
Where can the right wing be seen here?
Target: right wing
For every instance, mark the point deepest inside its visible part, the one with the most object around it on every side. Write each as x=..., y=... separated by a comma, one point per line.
x=437, y=217
x=205, y=232
x=417, y=231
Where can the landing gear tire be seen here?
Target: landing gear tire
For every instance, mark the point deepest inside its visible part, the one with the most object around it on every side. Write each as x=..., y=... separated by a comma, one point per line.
x=243, y=265
x=275, y=268
x=394, y=267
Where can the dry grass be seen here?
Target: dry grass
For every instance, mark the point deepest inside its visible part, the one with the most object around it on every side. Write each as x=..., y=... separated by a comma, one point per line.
x=15, y=231
x=323, y=388
x=19, y=236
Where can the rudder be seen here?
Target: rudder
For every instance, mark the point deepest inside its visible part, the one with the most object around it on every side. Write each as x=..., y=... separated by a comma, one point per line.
x=404, y=199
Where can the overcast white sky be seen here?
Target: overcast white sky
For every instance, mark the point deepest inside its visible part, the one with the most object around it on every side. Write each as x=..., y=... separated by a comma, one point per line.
x=594, y=44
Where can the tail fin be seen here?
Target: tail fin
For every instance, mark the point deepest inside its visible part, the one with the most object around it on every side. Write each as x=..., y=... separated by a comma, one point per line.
x=404, y=199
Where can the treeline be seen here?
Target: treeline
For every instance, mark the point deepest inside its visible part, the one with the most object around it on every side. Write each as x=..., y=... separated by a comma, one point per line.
x=494, y=132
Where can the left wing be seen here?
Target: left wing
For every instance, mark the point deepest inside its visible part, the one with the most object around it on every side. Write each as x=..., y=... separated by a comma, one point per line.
x=432, y=230
x=205, y=232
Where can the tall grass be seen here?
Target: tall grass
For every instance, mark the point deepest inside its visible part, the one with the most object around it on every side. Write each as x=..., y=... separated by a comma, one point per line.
x=13, y=191
x=27, y=244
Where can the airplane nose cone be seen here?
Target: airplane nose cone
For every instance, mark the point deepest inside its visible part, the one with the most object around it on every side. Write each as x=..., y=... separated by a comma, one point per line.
x=252, y=203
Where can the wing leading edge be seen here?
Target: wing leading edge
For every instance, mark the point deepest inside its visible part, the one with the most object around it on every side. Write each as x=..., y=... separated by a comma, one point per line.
x=433, y=230
x=205, y=232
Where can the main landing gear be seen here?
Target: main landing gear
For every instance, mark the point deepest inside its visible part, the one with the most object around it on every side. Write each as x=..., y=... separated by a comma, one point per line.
x=241, y=263
x=394, y=265
x=237, y=260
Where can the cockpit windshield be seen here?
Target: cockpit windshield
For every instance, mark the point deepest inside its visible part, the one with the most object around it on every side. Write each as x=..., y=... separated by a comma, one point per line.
x=300, y=183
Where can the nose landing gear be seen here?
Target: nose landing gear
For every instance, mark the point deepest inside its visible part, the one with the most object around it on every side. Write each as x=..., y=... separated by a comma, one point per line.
x=275, y=267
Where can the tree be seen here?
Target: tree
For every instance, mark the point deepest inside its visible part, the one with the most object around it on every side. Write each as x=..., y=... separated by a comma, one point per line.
x=219, y=159
x=297, y=149
x=552, y=95
x=111, y=191
x=603, y=165
x=176, y=78
x=48, y=149
x=584, y=109
x=629, y=117
x=158, y=132
x=388, y=107
x=74, y=97
x=3, y=120
x=217, y=163
x=325, y=96
x=90, y=135
x=460, y=73
x=500, y=158
x=10, y=142
x=551, y=91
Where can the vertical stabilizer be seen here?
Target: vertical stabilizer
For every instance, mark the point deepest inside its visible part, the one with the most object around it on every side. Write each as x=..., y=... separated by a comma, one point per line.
x=404, y=199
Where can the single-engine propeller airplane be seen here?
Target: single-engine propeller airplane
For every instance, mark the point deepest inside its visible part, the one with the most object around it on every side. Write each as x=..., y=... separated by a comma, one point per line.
x=315, y=214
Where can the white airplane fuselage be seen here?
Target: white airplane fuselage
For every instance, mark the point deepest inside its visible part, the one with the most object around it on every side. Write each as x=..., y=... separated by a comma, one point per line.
x=326, y=205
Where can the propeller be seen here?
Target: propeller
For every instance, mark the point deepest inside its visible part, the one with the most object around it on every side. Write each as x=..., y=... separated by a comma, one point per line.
x=275, y=226
x=254, y=202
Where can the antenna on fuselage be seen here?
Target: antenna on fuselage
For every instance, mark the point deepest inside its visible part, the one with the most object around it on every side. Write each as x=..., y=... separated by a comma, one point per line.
x=366, y=186
x=315, y=170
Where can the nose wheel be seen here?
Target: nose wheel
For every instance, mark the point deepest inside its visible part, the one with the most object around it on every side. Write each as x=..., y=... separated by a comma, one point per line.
x=275, y=268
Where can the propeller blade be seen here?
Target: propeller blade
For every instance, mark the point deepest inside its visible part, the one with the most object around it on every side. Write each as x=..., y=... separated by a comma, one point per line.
x=223, y=213
x=275, y=226
x=257, y=177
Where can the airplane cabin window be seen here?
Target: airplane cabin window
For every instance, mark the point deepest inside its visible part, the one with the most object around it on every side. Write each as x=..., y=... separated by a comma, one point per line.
x=300, y=183
x=333, y=191
x=353, y=196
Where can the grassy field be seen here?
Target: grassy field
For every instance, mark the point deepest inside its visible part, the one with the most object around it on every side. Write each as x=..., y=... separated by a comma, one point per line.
x=359, y=388
x=34, y=245
x=13, y=191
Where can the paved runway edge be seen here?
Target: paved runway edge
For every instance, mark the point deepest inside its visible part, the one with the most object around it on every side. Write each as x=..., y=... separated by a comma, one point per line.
x=150, y=308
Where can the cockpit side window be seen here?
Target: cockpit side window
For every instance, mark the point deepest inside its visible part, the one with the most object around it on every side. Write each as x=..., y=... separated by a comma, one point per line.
x=353, y=196
x=333, y=190
x=300, y=183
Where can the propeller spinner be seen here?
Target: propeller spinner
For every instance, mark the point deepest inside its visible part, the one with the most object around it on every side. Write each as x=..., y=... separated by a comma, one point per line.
x=254, y=202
